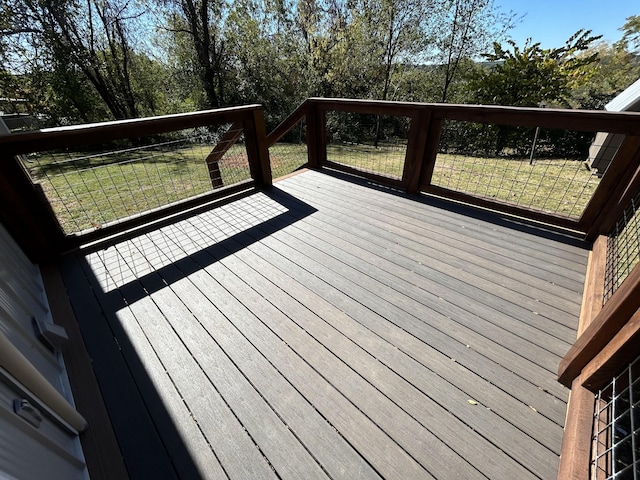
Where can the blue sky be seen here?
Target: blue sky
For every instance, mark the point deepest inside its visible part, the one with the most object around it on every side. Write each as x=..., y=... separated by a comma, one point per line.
x=552, y=22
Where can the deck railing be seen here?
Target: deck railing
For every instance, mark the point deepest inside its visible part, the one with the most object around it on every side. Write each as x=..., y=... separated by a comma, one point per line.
x=63, y=187
x=425, y=147
x=103, y=178
x=100, y=179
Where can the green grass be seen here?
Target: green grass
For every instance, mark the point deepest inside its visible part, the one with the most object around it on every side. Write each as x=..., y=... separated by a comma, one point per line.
x=556, y=185
x=386, y=160
x=559, y=186
x=93, y=190
x=88, y=191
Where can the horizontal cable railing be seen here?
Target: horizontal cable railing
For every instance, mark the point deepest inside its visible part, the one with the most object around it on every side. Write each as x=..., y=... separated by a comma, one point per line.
x=98, y=176
x=369, y=143
x=537, y=168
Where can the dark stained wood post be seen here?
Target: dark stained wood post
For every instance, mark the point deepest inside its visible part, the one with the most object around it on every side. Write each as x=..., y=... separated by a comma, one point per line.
x=316, y=136
x=257, y=150
x=226, y=142
x=26, y=213
x=624, y=303
x=416, y=148
x=431, y=150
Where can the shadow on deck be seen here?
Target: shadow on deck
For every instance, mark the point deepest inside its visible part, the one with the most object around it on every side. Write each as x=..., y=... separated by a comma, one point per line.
x=333, y=328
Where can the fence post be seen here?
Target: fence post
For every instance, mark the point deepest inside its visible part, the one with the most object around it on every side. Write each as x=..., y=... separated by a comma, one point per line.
x=257, y=151
x=416, y=147
x=422, y=149
x=316, y=136
x=431, y=150
x=616, y=189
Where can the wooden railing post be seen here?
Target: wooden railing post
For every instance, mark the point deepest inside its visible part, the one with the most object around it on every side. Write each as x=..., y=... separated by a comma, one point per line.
x=422, y=149
x=616, y=189
x=27, y=214
x=416, y=148
x=316, y=136
x=431, y=150
x=257, y=150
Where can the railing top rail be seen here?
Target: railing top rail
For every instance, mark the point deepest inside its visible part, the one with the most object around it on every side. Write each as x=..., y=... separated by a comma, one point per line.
x=586, y=120
x=382, y=107
x=75, y=135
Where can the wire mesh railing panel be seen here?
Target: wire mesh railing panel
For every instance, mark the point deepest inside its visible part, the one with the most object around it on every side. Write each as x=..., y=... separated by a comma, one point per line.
x=541, y=169
x=286, y=158
x=616, y=429
x=369, y=143
x=623, y=248
x=103, y=184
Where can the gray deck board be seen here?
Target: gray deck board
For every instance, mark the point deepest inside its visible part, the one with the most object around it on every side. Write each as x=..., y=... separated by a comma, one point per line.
x=332, y=330
x=539, y=259
x=530, y=252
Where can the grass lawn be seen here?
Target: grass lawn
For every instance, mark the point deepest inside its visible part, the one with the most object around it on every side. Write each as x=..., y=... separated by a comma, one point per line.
x=557, y=185
x=553, y=185
x=87, y=191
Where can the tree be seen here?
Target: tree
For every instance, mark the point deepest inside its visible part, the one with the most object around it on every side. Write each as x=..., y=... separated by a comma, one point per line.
x=467, y=29
x=200, y=22
x=68, y=37
x=399, y=29
x=631, y=39
x=614, y=71
x=533, y=75
x=198, y=27
x=265, y=62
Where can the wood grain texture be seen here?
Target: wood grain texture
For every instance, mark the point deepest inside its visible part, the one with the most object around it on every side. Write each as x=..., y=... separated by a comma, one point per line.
x=618, y=353
x=587, y=120
x=332, y=329
x=614, y=315
x=577, y=441
x=78, y=135
x=576, y=445
x=615, y=191
x=416, y=148
x=227, y=141
x=257, y=150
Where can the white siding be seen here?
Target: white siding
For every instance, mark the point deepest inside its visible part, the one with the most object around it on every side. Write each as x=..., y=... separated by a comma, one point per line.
x=52, y=450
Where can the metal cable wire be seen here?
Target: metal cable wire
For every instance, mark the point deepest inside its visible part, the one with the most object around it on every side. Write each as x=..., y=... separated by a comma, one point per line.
x=550, y=176
x=616, y=447
x=95, y=186
x=623, y=248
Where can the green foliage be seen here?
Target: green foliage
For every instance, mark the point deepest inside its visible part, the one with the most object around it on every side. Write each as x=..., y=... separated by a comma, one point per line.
x=466, y=30
x=615, y=70
x=268, y=65
x=101, y=59
x=532, y=76
x=631, y=39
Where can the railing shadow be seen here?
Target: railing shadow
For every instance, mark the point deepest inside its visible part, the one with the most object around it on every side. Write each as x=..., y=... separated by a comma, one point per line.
x=150, y=441
x=524, y=225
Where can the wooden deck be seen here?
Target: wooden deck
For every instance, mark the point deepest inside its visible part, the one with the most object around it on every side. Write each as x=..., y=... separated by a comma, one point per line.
x=329, y=328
